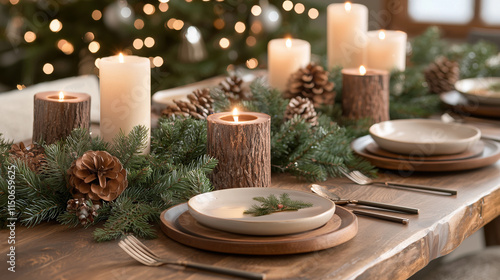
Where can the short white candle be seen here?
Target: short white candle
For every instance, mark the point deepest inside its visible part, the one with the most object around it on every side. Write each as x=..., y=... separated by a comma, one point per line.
x=286, y=56
x=386, y=50
x=125, y=83
x=347, y=25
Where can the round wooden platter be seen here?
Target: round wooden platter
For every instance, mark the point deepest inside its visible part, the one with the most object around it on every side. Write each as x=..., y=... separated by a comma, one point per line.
x=490, y=155
x=475, y=151
x=461, y=105
x=178, y=226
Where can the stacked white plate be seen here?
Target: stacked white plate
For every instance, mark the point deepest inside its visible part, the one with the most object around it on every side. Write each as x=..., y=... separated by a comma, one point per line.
x=223, y=210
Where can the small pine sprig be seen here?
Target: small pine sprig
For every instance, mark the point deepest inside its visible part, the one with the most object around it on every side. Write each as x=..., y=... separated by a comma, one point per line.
x=272, y=204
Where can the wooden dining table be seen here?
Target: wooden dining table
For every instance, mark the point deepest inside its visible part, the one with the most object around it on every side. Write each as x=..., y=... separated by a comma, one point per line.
x=379, y=250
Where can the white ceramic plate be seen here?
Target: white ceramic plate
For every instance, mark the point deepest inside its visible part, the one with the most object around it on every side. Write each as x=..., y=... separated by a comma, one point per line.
x=478, y=90
x=224, y=209
x=423, y=136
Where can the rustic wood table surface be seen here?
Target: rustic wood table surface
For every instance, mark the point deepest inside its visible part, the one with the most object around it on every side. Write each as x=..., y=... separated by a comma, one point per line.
x=380, y=250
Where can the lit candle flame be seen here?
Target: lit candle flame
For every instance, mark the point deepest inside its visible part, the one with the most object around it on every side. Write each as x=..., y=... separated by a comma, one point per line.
x=235, y=115
x=120, y=58
x=362, y=70
x=347, y=6
x=288, y=43
x=61, y=96
x=381, y=35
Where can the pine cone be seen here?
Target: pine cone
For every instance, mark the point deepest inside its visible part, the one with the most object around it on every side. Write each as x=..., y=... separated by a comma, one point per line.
x=232, y=87
x=302, y=107
x=198, y=107
x=441, y=75
x=97, y=175
x=33, y=155
x=311, y=82
x=84, y=209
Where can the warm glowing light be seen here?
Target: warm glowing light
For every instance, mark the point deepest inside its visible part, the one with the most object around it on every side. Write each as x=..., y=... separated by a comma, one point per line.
x=235, y=115
x=149, y=42
x=313, y=13
x=158, y=61
x=240, y=27
x=252, y=63
x=299, y=8
x=20, y=87
x=362, y=70
x=96, y=62
x=287, y=5
x=139, y=24
x=120, y=58
x=94, y=46
x=251, y=41
x=148, y=9
x=224, y=43
x=219, y=23
x=170, y=23
x=96, y=15
x=178, y=24
x=29, y=36
x=381, y=35
x=65, y=46
x=288, y=43
x=347, y=6
x=164, y=1
x=138, y=44
x=55, y=25
x=163, y=7
x=48, y=68
x=89, y=37
x=61, y=96
x=256, y=10
x=256, y=27
x=14, y=2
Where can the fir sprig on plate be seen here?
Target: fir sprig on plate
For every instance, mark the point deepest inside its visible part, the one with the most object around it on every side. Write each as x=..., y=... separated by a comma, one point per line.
x=272, y=204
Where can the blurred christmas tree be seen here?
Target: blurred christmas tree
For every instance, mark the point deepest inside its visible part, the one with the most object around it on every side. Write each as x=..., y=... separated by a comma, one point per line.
x=186, y=40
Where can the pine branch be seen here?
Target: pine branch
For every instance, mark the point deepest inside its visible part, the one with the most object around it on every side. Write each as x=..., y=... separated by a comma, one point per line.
x=128, y=217
x=221, y=102
x=272, y=204
x=127, y=148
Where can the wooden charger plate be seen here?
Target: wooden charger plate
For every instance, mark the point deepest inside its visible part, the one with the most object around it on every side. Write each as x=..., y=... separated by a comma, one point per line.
x=475, y=151
x=490, y=154
x=182, y=228
x=461, y=105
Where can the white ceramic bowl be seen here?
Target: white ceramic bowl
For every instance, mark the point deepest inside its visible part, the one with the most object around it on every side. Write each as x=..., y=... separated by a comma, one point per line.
x=224, y=209
x=423, y=136
x=478, y=90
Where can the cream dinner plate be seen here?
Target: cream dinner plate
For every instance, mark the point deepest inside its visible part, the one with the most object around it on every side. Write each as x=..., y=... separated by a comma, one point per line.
x=424, y=136
x=223, y=210
x=480, y=90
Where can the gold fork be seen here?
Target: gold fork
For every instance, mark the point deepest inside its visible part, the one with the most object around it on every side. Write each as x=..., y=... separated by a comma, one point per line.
x=137, y=250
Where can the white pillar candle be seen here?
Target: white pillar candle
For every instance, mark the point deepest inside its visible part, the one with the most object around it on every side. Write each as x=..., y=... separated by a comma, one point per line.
x=286, y=56
x=125, y=83
x=347, y=25
x=386, y=50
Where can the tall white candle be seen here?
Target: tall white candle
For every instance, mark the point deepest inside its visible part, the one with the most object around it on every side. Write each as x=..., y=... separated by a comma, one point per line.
x=347, y=25
x=386, y=50
x=125, y=83
x=286, y=56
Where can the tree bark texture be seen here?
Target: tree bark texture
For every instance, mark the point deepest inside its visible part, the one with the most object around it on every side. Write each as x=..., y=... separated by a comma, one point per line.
x=54, y=119
x=242, y=148
x=365, y=96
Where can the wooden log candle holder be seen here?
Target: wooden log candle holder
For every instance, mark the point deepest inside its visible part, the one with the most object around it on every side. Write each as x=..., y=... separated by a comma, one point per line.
x=56, y=114
x=243, y=148
x=365, y=94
